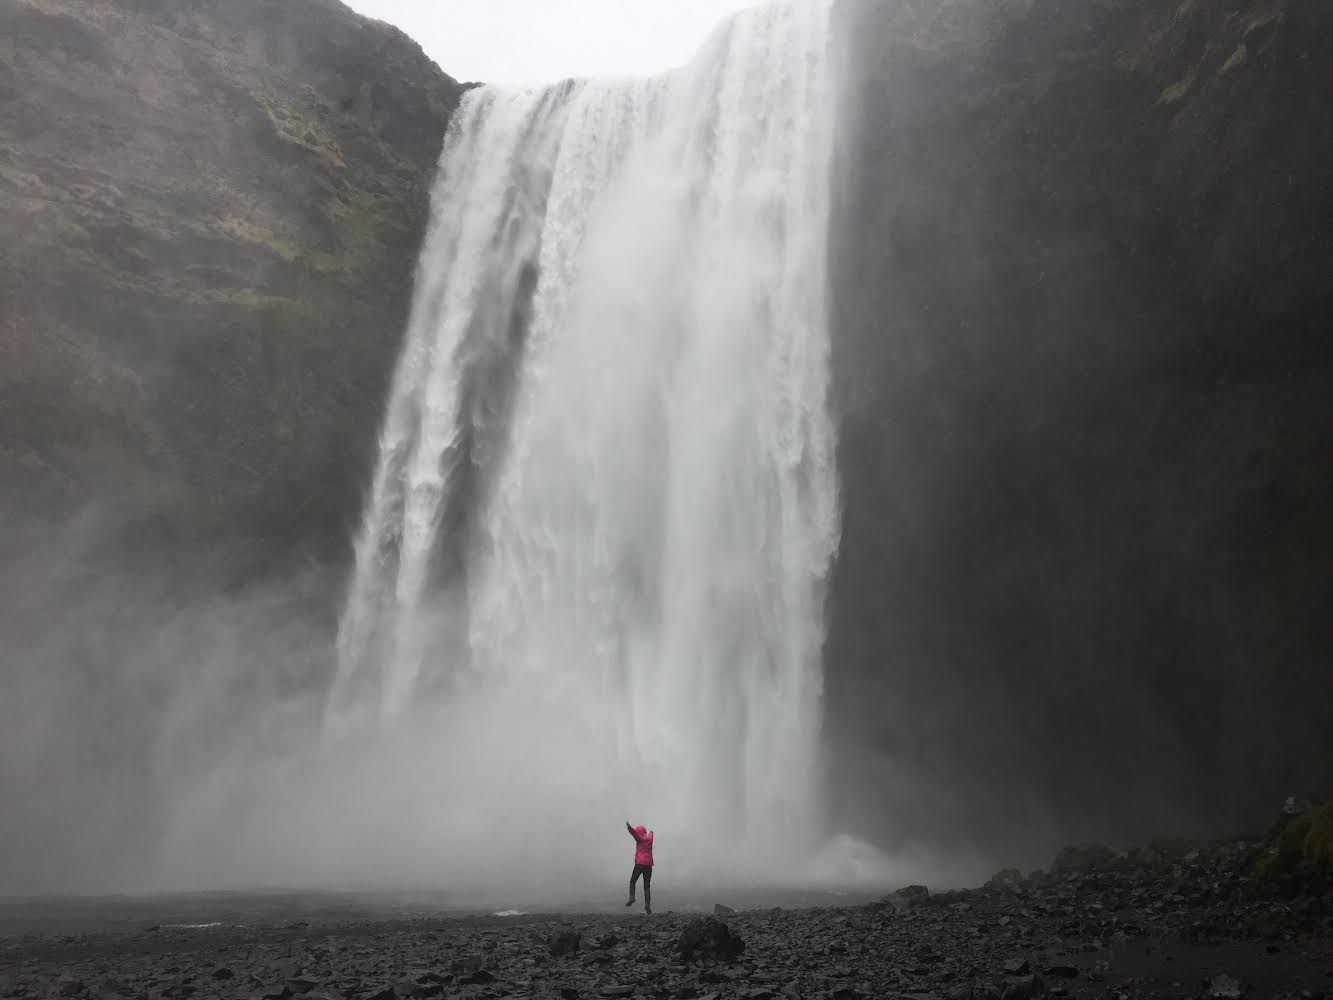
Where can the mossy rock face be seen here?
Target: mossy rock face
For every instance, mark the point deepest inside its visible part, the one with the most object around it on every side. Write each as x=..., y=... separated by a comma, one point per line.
x=209, y=218
x=1305, y=842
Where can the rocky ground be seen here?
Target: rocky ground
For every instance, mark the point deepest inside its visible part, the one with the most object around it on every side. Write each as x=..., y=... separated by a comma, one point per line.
x=1171, y=920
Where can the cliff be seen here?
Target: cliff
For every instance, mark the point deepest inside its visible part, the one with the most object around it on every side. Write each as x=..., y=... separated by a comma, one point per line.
x=1082, y=289
x=209, y=214
x=1084, y=376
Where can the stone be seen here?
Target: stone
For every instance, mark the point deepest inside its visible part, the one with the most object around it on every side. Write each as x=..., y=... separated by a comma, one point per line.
x=222, y=972
x=1024, y=987
x=618, y=991
x=708, y=937
x=564, y=943
x=1225, y=987
x=722, y=910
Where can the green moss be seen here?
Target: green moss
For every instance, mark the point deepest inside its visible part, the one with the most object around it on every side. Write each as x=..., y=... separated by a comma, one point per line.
x=299, y=130
x=1236, y=60
x=1180, y=88
x=372, y=231
x=1306, y=840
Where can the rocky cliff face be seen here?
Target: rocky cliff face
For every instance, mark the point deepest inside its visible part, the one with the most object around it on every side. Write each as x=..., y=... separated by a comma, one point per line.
x=1087, y=444
x=208, y=218
x=1083, y=288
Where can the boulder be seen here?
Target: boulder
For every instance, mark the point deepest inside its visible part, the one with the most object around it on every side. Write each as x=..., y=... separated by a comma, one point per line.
x=708, y=937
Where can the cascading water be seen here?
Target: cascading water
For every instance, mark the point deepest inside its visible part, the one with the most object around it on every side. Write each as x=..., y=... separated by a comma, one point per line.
x=605, y=504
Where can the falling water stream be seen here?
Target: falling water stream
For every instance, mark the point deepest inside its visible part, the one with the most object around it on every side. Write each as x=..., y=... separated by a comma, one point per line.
x=605, y=503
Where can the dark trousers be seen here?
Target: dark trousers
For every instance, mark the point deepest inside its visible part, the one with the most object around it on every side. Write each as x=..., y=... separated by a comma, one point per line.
x=647, y=872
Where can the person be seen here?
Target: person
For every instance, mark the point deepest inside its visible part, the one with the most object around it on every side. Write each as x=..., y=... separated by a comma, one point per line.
x=643, y=864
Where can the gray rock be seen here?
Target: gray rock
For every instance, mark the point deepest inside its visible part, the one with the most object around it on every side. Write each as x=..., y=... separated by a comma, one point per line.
x=564, y=943
x=708, y=937
x=1024, y=987
x=1225, y=987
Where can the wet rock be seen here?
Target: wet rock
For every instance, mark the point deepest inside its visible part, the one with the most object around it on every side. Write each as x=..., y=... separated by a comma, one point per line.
x=69, y=987
x=564, y=943
x=569, y=993
x=720, y=910
x=1008, y=880
x=1024, y=987
x=222, y=972
x=1225, y=987
x=618, y=991
x=912, y=897
x=1017, y=967
x=1062, y=971
x=301, y=985
x=708, y=937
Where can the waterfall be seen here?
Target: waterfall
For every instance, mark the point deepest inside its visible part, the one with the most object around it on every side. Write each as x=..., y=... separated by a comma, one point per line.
x=605, y=505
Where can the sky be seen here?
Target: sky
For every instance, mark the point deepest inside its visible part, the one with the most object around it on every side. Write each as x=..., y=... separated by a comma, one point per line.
x=528, y=42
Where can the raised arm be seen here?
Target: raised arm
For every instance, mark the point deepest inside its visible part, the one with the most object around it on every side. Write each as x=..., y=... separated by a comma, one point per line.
x=631, y=831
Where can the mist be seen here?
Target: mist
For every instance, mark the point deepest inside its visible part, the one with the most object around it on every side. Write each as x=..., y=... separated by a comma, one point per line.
x=158, y=744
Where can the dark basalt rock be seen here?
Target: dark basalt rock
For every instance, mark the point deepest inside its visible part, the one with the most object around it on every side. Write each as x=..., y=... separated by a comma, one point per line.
x=564, y=943
x=1082, y=371
x=708, y=937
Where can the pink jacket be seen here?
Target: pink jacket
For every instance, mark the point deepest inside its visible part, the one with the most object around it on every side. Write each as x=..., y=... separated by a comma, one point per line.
x=643, y=840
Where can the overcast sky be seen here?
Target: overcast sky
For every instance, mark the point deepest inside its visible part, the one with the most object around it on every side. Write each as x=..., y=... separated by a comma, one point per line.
x=522, y=42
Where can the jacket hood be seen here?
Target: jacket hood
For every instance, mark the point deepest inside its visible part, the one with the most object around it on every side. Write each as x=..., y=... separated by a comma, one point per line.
x=641, y=830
